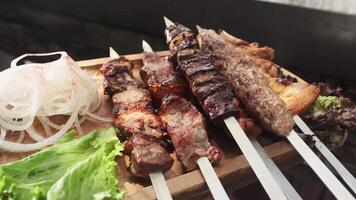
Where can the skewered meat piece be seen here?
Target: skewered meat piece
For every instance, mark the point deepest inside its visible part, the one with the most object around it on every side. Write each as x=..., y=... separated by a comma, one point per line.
x=118, y=77
x=135, y=118
x=297, y=95
x=248, y=83
x=132, y=99
x=139, y=122
x=144, y=140
x=207, y=85
x=149, y=158
x=187, y=130
x=203, y=80
x=184, y=123
x=179, y=37
x=160, y=77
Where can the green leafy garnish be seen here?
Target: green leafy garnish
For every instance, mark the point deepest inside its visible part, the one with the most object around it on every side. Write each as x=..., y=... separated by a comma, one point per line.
x=83, y=168
x=323, y=104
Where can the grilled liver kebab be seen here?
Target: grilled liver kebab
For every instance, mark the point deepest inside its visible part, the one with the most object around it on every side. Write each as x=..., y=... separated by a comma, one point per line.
x=185, y=125
x=134, y=116
x=207, y=85
x=248, y=83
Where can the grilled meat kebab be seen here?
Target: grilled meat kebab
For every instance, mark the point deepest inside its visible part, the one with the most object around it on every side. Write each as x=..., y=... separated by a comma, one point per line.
x=185, y=125
x=134, y=116
x=248, y=83
x=160, y=77
x=207, y=85
x=296, y=94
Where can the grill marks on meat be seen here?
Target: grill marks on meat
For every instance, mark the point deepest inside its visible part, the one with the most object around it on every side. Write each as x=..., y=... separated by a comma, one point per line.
x=184, y=123
x=118, y=77
x=208, y=86
x=139, y=122
x=134, y=99
x=134, y=116
x=179, y=37
x=160, y=77
x=187, y=130
x=248, y=83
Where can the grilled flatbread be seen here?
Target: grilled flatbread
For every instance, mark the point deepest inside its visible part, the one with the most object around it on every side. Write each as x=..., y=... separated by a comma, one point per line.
x=296, y=93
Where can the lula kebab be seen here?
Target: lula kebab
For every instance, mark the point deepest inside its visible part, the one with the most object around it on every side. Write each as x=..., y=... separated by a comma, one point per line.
x=263, y=103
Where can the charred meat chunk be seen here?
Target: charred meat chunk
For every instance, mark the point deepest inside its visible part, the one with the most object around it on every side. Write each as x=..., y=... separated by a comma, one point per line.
x=149, y=158
x=184, y=123
x=160, y=77
x=205, y=82
x=187, y=130
x=135, y=118
x=118, y=77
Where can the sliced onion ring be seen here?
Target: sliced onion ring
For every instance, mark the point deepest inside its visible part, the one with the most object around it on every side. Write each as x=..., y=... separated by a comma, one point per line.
x=17, y=147
x=100, y=118
x=21, y=137
x=41, y=90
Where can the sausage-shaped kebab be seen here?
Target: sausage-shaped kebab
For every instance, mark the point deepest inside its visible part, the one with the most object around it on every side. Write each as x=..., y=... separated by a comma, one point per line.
x=213, y=92
x=271, y=111
x=134, y=116
x=248, y=82
x=185, y=125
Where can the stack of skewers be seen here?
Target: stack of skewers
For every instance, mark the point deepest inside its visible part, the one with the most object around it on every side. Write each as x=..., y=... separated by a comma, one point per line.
x=230, y=91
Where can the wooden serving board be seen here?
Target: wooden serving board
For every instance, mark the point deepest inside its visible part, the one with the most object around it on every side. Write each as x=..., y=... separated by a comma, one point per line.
x=233, y=171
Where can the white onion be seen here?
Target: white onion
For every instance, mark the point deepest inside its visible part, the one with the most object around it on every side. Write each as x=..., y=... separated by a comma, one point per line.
x=45, y=126
x=2, y=134
x=82, y=119
x=49, y=122
x=41, y=90
x=34, y=134
x=100, y=118
x=17, y=147
x=78, y=127
x=21, y=137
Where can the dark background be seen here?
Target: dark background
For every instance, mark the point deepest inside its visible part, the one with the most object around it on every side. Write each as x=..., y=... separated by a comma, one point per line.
x=308, y=42
x=316, y=45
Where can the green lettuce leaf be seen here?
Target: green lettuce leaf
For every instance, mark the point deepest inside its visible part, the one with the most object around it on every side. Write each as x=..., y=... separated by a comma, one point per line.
x=83, y=168
x=323, y=104
x=332, y=117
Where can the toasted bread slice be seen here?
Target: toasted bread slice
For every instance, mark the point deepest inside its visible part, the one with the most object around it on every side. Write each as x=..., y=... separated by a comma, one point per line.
x=297, y=94
x=251, y=49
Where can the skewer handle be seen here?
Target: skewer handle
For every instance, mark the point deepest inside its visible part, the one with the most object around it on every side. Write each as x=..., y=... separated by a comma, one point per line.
x=211, y=179
x=330, y=157
x=257, y=164
x=160, y=186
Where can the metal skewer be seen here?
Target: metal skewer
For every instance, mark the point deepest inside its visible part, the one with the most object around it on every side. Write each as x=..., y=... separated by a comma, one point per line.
x=160, y=186
x=328, y=178
x=258, y=160
x=286, y=186
x=212, y=180
x=330, y=157
x=158, y=182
